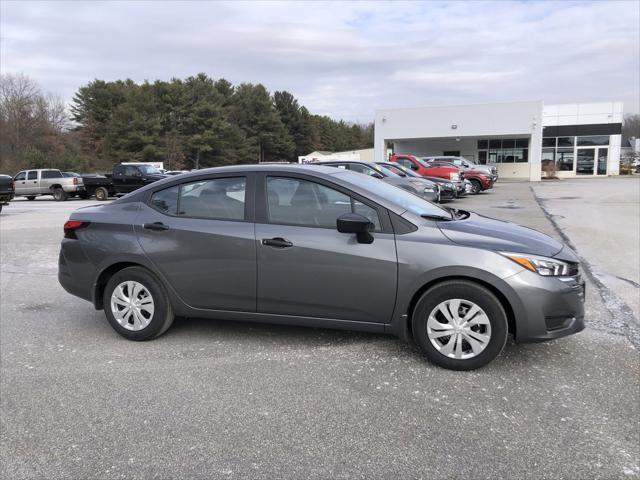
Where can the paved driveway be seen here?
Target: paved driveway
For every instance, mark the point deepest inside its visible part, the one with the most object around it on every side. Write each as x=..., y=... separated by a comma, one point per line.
x=215, y=399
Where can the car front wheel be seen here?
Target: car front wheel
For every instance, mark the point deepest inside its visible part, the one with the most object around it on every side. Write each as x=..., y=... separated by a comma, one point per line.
x=137, y=305
x=460, y=325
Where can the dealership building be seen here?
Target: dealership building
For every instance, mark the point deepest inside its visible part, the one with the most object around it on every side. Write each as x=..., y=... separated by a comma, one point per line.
x=580, y=140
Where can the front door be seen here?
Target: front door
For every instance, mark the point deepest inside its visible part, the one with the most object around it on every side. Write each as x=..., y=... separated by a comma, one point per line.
x=592, y=161
x=307, y=268
x=200, y=236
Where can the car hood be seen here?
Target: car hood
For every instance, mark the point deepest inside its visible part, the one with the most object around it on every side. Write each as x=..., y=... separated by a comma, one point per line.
x=491, y=234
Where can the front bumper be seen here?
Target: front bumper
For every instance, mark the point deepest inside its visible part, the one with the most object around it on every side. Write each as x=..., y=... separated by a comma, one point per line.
x=546, y=307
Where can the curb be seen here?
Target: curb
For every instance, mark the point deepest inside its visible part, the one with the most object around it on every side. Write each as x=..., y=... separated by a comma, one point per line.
x=616, y=307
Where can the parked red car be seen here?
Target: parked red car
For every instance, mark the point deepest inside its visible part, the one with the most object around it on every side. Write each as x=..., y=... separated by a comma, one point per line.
x=448, y=172
x=478, y=179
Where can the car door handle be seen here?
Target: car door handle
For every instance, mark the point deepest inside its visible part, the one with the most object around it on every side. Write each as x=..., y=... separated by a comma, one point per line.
x=155, y=226
x=277, y=242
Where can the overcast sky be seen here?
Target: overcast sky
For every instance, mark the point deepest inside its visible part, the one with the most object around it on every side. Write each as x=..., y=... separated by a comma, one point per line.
x=339, y=59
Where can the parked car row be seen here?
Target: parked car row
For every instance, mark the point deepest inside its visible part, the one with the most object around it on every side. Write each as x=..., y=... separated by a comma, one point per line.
x=437, y=179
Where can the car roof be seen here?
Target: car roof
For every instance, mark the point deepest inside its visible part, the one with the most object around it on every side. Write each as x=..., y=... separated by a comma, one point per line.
x=335, y=175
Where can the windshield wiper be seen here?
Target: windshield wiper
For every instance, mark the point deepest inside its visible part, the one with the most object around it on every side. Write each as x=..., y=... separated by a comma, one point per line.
x=436, y=217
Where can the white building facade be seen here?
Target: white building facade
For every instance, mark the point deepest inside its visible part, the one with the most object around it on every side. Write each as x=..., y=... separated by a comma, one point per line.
x=518, y=137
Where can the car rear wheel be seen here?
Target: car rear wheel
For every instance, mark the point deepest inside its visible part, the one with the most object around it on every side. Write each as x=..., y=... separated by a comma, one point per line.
x=137, y=305
x=101, y=194
x=460, y=325
x=59, y=195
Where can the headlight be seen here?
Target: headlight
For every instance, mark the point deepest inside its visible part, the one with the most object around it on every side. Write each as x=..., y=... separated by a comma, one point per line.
x=429, y=189
x=545, y=266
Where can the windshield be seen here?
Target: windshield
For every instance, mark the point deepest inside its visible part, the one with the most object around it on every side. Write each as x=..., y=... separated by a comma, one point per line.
x=387, y=171
x=149, y=170
x=424, y=163
x=407, y=171
x=398, y=196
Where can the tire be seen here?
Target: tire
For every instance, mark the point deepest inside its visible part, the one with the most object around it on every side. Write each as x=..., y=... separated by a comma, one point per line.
x=1, y=208
x=31, y=197
x=428, y=320
x=60, y=195
x=101, y=194
x=129, y=326
x=477, y=186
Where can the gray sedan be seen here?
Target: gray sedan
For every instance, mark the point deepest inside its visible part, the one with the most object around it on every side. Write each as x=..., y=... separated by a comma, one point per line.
x=322, y=247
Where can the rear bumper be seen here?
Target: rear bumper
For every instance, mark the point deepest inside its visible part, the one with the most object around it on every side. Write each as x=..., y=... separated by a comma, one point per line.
x=75, y=272
x=546, y=307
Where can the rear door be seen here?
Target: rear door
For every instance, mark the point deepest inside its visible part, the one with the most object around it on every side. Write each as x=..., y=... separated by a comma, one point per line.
x=306, y=267
x=200, y=236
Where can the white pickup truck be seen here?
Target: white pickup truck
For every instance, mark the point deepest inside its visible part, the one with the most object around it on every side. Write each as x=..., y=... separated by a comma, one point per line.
x=32, y=183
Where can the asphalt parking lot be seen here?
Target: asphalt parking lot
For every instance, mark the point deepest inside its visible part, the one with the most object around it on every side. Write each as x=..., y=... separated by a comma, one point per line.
x=214, y=399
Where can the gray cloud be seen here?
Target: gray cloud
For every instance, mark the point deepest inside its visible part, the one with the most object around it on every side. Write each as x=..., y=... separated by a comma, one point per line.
x=339, y=59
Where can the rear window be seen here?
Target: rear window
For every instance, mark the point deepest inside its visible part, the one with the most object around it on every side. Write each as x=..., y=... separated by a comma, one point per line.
x=216, y=199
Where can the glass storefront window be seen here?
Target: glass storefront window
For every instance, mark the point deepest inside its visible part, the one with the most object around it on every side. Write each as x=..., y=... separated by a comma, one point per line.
x=483, y=144
x=522, y=143
x=564, y=159
x=482, y=158
x=495, y=144
x=549, y=142
x=520, y=155
x=565, y=141
x=593, y=140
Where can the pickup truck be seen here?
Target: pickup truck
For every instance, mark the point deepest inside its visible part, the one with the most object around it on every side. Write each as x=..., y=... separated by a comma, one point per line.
x=124, y=178
x=481, y=180
x=6, y=190
x=32, y=183
x=453, y=174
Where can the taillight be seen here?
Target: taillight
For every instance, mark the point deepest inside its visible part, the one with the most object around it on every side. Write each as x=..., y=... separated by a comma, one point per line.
x=75, y=180
x=71, y=226
x=13, y=186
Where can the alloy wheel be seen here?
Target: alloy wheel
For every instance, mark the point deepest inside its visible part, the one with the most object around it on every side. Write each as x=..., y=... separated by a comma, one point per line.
x=459, y=329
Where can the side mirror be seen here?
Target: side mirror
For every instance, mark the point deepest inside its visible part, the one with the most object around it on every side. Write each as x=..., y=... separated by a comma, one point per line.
x=377, y=175
x=358, y=224
x=414, y=167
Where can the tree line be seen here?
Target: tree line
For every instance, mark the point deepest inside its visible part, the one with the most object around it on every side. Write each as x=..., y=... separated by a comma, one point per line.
x=195, y=122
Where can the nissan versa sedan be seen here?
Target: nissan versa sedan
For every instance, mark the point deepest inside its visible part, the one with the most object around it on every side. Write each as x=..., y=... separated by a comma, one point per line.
x=322, y=247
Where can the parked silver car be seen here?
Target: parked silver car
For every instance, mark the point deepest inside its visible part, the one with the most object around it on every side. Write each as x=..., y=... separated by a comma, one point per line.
x=47, y=181
x=322, y=247
x=418, y=186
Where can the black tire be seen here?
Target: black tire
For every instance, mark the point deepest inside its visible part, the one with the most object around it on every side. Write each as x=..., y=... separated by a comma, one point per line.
x=31, y=197
x=469, y=291
x=477, y=186
x=163, y=311
x=101, y=194
x=1, y=208
x=59, y=195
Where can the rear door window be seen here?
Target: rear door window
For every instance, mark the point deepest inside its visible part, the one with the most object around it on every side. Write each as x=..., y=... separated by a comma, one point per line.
x=216, y=199
x=166, y=201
